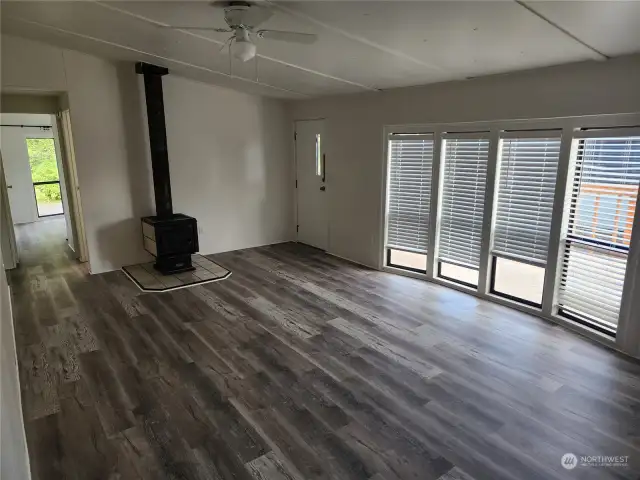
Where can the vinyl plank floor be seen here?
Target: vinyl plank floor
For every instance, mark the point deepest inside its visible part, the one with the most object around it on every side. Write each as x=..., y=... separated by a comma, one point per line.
x=303, y=366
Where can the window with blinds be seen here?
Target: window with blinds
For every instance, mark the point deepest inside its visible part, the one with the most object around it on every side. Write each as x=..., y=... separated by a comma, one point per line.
x=601, y=202
x=409, y=200
x=526, y=184
x=527, y=170
x=462, y=204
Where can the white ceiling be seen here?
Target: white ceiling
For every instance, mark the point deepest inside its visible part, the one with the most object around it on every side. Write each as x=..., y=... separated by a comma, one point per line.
x=363, y=45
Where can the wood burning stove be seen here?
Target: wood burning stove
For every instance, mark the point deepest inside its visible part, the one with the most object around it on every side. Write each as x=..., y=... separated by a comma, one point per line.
x=170, y=237
x=171, y=240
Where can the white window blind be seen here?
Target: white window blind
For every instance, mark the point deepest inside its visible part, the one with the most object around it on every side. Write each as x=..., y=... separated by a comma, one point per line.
x=602, y=202
x=592, y=281
x=463, y=189
x=525, y=190
x=409, y=196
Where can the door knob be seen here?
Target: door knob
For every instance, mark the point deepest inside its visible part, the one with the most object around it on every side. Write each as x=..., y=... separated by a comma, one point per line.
x=9, y=186
x=323, y=189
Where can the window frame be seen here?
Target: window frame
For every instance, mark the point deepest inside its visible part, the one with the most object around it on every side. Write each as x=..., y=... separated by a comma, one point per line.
x=486, y=212
x=585, y=320
x=521, y=164
x=319, y=157
x=593, y=324
x=388, y=200
x=455, y=280
x=389, y=134
x=402, y=267
x=35, y=197
x=548, y=290
x=628, y=333
x=513, y=298
x=34, y=136
x=568, y=237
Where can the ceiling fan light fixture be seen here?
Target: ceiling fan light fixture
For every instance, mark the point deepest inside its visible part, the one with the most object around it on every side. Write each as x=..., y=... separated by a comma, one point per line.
x=243, y=49
x=242, y=18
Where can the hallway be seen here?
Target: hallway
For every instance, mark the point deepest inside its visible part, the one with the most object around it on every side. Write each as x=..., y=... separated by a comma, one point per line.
x=43, y=243
x=303, y=366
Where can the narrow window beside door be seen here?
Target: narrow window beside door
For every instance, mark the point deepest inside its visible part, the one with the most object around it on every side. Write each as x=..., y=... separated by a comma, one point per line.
x=318, y=155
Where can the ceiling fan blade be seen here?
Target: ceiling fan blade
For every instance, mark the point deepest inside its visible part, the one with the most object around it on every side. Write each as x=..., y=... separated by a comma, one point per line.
x=256, y=15
x=213, y=29
x=296, y=37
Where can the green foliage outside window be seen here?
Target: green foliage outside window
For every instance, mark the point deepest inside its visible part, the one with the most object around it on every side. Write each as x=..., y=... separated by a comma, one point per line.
x=42, y=157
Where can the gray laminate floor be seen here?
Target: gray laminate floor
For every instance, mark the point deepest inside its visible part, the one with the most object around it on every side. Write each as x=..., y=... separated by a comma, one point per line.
x=304, y=366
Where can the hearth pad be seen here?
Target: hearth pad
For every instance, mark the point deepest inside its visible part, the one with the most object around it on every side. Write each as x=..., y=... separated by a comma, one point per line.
x=148, y=279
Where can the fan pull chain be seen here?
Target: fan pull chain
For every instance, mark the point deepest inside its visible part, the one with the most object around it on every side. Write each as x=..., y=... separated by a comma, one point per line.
x=256, y=66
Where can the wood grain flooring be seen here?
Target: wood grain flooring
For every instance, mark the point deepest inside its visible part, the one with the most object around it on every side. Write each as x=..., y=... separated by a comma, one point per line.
x=303, y=366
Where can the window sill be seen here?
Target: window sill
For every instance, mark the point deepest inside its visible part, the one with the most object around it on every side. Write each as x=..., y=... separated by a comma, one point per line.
x=583, y=330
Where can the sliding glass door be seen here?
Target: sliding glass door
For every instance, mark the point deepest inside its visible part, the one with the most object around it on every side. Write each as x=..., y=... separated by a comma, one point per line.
x=597, y=237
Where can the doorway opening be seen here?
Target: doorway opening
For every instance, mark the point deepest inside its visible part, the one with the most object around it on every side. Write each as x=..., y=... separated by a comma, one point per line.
x=40, y=186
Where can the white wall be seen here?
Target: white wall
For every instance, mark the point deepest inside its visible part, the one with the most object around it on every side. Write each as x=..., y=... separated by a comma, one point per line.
x=26, y=118
x=98, y=111
x=14, y=460
x=93, y=90
x=36, y=110
x=16, y=161
x=44, y=73
x=25, y=103
x=18, y=175
x=7, y=235
x=354, y=129
x=230, y=158
x=231, y=165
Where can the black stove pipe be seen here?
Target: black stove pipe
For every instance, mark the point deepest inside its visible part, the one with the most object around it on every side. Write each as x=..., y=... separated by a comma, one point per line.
x=157, y=136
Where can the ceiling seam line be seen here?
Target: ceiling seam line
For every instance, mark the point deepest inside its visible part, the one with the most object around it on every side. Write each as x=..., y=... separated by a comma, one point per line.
x=356, y=38
x=212, y=40
x=562, y=29
x=131, y=49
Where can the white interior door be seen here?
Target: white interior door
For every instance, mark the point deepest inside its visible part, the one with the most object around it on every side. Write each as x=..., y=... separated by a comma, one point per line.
x=75, y=202
x=7, y=233
x=56, y=121
x=18, y=175
x=313, y=225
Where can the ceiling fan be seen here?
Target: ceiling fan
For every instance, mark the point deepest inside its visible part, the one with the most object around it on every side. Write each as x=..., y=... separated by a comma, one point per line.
x=242, y=19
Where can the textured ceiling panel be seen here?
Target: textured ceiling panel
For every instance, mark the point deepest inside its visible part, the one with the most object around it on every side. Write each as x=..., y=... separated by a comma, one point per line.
x=362, y=45
x=612, y=27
